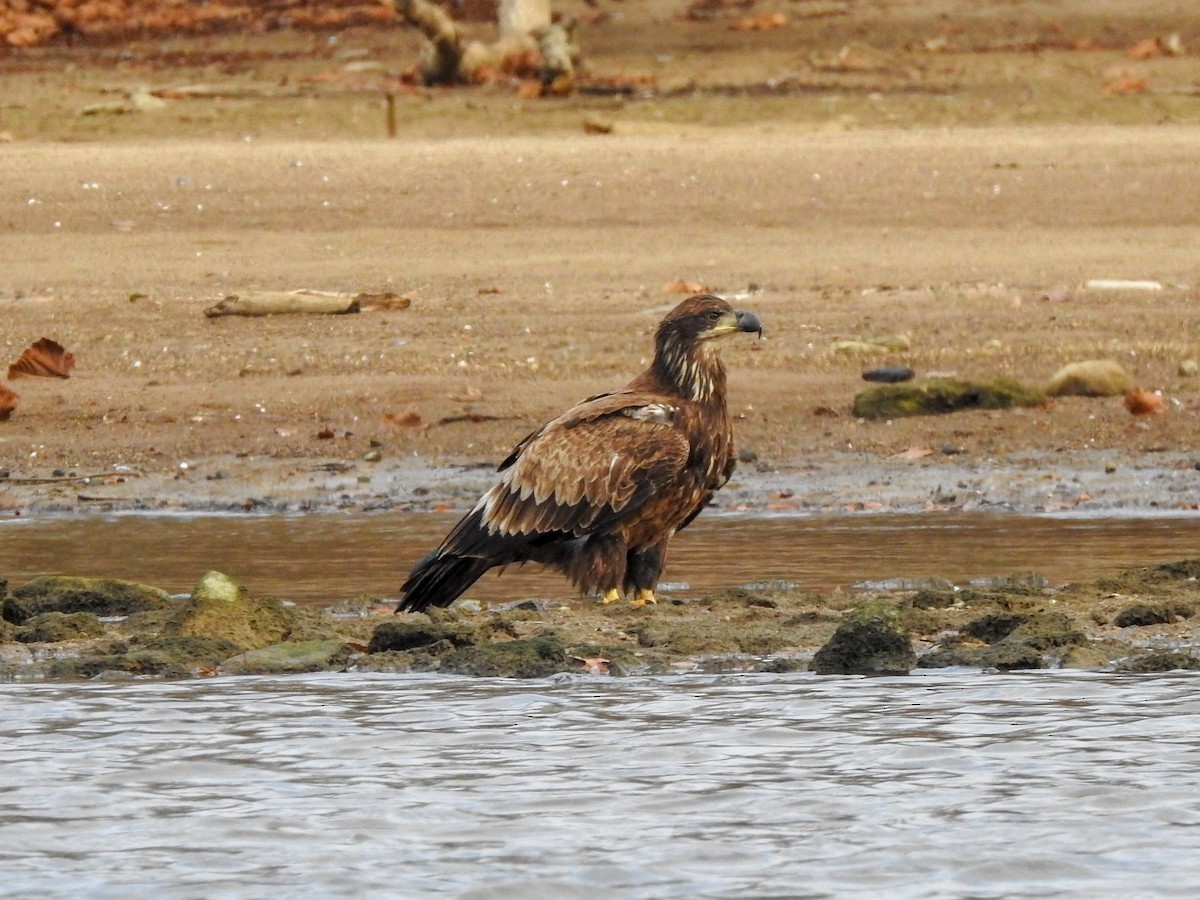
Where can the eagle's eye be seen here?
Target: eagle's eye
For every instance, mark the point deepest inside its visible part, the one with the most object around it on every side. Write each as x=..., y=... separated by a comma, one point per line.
x=712, y=315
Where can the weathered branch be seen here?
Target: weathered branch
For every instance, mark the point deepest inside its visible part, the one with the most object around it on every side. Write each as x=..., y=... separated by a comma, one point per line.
x=442, y=61
x=268, y=303
x=560, y=55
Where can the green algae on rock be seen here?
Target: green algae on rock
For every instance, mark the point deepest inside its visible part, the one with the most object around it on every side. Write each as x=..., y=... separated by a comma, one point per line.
x=73, y=593
x=56, y=627
x=933, y=396
x=527, y=658
x=1090, y=378
x=871, y=640
x=221, y=608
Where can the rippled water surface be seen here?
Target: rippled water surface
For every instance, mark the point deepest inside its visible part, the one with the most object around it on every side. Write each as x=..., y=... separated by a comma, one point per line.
x=324, y=558
x=936, y=785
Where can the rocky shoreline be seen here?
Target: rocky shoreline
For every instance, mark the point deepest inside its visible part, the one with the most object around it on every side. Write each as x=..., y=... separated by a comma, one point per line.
x=71, y=628
x=65, y=628
x=1096, y=482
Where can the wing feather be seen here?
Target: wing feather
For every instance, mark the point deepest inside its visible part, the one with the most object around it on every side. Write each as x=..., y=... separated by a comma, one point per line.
x=587, y=468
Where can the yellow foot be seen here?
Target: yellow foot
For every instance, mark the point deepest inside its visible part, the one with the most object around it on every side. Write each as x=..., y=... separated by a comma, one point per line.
x=645, y=597
x=612, y=595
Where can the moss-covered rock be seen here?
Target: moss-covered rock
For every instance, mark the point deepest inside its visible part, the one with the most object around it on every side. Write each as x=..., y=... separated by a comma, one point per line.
x=289, y=658
x=994, y=626
x=1163, y=613
x=942, y=395
x=530, y=658
x=1158, y=661
x=1024, y=640
x=221, y=608
x=870, y=640
x=1090, y=378
x=406, y=635
x=55, y=627
x=158, y=656
x=72, y=593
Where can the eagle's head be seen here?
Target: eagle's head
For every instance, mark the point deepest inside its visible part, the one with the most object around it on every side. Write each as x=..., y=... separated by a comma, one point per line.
x=685, y=344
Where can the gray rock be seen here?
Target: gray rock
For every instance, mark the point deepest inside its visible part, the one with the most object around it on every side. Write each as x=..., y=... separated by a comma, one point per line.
x=289, y=658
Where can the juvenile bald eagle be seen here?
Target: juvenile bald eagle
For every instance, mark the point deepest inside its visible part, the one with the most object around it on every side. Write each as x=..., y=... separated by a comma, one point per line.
x=599, y=491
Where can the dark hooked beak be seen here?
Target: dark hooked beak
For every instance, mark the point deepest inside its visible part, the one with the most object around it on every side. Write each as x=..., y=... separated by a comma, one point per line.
x=748, y=321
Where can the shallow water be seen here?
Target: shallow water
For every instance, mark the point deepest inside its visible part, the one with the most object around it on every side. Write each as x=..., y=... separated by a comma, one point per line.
x=948, y=784
x=329, y=557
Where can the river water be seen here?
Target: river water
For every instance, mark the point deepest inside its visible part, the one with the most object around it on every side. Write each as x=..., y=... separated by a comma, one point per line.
x=936, y=785
x=329, y=557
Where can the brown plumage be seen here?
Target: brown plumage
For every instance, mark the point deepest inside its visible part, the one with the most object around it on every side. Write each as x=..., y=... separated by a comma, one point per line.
x=599, y=491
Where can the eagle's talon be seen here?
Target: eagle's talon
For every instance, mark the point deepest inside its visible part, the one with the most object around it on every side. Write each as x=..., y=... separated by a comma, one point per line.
x=612, y=595
x=644, y=597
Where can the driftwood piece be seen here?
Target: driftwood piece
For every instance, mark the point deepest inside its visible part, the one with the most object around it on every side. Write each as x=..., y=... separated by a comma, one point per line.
x=528, y=44
x=303, y=302
x=560, y=56
x=442, y=63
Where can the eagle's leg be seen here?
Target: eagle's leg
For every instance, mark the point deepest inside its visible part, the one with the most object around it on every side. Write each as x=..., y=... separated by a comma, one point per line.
x=642, y=571
x=612, y=595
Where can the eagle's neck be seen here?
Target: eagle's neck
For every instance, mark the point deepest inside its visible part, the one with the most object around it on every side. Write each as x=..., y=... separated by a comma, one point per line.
x=691, y=369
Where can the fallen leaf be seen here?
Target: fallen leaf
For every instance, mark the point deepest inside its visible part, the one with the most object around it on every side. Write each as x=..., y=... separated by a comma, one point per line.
x=410, y=418
x=760, y=22
x=679, y=286
x=529, y=90
x=45, y=358
x=8, y=403
x=1150, y=48
x=326, y=434
x=491, y=289
x=1123, y=80
x=596, y=665
x=1141, y=402
x=913, y=453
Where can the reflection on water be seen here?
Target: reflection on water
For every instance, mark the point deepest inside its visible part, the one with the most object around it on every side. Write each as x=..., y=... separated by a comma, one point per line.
x=333, y=557
x=939, y=785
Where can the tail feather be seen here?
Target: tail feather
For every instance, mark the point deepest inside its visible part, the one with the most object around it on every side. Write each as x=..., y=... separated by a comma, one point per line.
x=440, y=579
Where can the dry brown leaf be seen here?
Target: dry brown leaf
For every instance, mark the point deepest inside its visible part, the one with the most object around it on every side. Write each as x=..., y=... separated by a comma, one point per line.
x=760, y=22
x=45, y=358
x=491, y=289
x=1141, y=402
x=410, y=418
x=1123, y=80
x=8, y=403
x=679, y=286
x=529, y=90
x=1150, y=48
x=596, y=665
x=326, y=434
